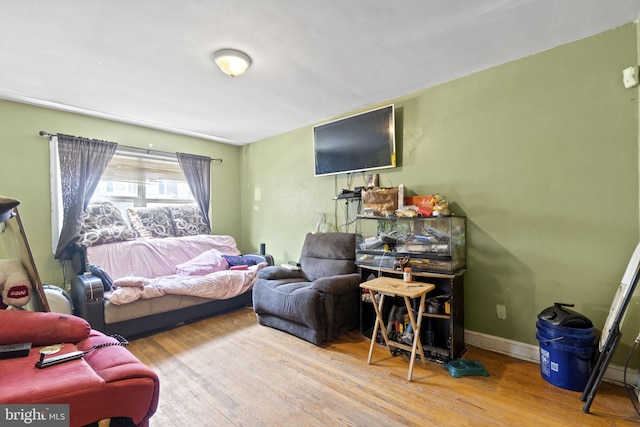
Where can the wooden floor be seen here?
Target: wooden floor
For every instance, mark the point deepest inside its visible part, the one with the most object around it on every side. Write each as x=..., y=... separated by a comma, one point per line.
x=230, y=371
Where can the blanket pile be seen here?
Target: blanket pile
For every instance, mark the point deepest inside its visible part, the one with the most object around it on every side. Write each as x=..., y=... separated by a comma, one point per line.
x=222, y=284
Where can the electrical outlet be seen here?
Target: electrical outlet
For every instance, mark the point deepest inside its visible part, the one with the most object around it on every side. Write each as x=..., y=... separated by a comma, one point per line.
x=501, y=311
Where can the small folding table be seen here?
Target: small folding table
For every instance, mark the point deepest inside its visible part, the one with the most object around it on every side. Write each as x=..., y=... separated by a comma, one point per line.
x=398, y=288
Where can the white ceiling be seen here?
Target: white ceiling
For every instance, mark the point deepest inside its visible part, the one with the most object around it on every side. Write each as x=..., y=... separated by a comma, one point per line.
x=148, y=61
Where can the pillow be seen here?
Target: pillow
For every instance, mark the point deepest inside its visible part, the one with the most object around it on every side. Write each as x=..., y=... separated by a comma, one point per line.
x=131, y=282
x=188, y=220
x=205, y=263
x=152, y=222
x=41, y=328
x=137, y=225
x=102, y=222
x=102, y=214
x=102, y=236
x=239, y=260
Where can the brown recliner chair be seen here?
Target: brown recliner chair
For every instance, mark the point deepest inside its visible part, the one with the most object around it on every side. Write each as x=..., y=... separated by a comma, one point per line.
x=318, y=302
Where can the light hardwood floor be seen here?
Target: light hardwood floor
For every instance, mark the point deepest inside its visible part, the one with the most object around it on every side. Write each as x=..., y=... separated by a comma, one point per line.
x=230, y=371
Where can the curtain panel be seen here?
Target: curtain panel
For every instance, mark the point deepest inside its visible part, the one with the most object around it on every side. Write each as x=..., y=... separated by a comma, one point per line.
x=82, y=162
x=197, y=171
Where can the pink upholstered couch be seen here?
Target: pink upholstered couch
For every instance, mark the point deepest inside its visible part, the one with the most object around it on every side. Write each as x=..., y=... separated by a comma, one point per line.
x=109, y=382
x=151, y=245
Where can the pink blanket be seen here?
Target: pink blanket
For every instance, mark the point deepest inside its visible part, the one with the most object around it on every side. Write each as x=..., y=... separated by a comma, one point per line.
x=152, y=258
x=219, y=285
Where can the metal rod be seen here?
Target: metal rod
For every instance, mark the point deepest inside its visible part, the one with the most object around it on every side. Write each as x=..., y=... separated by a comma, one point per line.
x=146, y=150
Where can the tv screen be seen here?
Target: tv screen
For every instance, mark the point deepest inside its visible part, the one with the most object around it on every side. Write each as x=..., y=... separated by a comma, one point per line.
x=356, y=143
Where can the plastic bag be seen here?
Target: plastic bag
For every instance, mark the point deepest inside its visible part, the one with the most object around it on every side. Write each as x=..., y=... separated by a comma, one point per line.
x=384, y=200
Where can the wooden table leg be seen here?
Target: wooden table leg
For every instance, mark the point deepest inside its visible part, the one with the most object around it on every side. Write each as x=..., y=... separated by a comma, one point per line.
x=419, y=325
x=417, y=344
x=379, y=323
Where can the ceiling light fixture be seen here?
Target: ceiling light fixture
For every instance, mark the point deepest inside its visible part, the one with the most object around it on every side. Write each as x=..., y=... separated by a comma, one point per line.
x=232, y=62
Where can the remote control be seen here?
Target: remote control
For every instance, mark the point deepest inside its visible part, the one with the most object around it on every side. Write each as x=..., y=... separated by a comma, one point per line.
x=14, y=350
x=45, y=363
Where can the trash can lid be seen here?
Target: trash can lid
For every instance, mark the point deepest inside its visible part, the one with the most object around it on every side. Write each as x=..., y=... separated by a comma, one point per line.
x=559, y=315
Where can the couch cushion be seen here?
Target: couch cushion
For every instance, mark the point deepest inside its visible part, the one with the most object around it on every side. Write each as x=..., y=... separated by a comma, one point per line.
x=102, y=222
x=23, y=383
x=290, y=299
x=328, y=254
x=152, y=221
x=188, y=220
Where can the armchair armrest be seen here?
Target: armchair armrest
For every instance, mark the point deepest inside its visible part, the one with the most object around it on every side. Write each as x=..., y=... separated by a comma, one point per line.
x=113, y=363
x=338, y=284
x=276, y=272
x=87, y=294
x=41, y=328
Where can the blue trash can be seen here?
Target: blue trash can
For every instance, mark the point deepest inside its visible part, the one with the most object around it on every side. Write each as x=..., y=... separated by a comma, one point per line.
x=567, y=346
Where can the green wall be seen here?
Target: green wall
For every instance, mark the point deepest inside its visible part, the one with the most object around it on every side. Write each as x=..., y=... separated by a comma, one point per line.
x=540, y=154
x=24, y=170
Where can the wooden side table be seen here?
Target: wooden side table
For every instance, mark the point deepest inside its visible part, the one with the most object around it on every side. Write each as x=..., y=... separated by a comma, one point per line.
x=408, y=290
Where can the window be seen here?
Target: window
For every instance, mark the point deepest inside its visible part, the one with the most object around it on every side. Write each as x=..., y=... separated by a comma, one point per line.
x=134, y=178
x=137, y=180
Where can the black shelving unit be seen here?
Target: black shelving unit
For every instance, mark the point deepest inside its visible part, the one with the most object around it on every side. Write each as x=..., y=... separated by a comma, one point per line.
x=442, y=333
x=434, y=248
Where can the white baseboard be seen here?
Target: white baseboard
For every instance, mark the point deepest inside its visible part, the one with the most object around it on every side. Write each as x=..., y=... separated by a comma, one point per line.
x=531, y=353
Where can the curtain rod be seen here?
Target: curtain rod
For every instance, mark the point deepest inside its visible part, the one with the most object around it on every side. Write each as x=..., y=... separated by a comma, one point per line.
x=147, y=150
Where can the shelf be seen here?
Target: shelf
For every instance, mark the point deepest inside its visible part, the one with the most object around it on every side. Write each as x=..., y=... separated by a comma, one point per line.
x=447, y=342
x=431, y=353
x=437, y=316
x=415, y=273
x=396, y=254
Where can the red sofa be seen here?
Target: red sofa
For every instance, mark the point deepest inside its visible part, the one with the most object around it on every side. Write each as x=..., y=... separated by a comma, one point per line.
x=108, y=382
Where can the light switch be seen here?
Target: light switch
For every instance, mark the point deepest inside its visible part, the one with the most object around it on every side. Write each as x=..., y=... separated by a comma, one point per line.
x=630, y=77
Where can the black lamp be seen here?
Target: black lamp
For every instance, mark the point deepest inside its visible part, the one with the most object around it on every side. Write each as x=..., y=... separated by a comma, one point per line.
x=6, y=208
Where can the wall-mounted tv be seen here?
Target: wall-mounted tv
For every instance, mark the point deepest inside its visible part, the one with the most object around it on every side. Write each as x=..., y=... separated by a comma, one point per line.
x=356, y=143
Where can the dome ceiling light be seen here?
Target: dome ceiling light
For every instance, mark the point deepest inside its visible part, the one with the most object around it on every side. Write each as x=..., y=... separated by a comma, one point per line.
x=231, y=61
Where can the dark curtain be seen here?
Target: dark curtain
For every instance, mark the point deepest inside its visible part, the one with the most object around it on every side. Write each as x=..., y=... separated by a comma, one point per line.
x=197, y=170
x=82, y=162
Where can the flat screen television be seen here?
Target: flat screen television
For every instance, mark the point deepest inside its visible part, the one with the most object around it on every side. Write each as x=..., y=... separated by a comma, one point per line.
x=360, y=142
